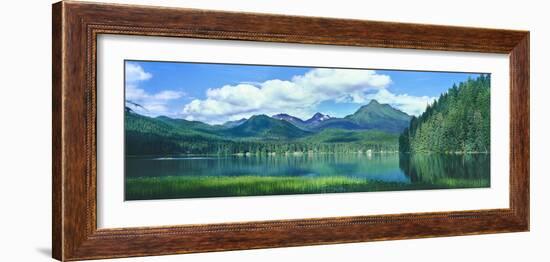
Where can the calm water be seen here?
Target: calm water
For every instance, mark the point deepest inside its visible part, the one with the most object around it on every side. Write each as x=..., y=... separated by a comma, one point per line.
x=391, y=167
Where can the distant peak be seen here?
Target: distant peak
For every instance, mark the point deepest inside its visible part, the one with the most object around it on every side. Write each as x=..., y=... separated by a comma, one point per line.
x=318, y=117
x=372, y=105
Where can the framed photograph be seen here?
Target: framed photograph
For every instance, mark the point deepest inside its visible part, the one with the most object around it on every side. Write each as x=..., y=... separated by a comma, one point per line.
x=183, y=130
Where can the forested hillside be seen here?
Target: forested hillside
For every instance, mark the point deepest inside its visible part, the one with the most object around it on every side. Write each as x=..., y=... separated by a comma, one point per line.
x=458, y=122
x=373, y=127
x=156, y=136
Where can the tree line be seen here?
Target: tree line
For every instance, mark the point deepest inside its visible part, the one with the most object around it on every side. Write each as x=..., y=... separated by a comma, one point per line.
x=139, y=143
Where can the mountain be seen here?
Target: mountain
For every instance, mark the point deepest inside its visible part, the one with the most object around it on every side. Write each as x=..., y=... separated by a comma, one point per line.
x=186, y=124
x=230, y=124
x=260, y=134
x=287, y=117
x=291, y=119
x=265, y=127
x=381, y=117
x=317, y=122
x=317, y=118
x=373, y=116
x=163, y=135
x=336, y=123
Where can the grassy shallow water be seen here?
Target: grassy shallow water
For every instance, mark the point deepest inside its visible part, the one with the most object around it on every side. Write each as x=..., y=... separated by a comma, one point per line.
x=143, y=188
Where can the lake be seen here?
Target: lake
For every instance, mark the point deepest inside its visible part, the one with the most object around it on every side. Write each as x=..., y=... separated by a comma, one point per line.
x=164, y=177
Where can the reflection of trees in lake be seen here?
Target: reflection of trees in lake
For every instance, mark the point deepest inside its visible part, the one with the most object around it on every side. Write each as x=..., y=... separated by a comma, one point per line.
x=352, y=165
x=208, y=176
x=430, y=168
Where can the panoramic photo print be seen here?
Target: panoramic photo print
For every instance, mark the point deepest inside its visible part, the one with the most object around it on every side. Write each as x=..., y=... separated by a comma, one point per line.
x=195, y=130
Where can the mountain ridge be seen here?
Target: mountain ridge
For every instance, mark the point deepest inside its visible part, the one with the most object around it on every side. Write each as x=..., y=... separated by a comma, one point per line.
x=372, y=116
x=317, y=118
x=263, y=126
x=234, y=123
x=298, y=122
x=152, y=135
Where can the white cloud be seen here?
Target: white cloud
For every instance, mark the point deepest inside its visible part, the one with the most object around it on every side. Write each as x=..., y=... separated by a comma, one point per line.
x=168, y=95
x=135, y=73
x=412, y=105
x=298, y=96
x=152, y=104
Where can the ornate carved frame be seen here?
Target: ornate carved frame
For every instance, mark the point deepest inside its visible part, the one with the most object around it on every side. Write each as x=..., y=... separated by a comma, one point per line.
x=76, y=26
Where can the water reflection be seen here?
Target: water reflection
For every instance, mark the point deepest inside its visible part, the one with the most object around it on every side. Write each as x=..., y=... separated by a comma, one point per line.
x=390, y=167
x=432, y=167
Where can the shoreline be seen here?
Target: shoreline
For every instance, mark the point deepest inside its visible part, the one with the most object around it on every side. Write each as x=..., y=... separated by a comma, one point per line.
x=310, y=153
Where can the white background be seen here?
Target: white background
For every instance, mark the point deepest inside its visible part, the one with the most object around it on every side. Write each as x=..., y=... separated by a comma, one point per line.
x=114, y=212
x=25, y=147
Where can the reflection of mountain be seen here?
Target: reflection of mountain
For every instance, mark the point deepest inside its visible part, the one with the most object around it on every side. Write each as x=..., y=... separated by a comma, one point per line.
x=372, y=127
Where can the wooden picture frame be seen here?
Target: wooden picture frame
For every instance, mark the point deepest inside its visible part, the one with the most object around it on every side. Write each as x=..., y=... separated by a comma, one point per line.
x=76, y=26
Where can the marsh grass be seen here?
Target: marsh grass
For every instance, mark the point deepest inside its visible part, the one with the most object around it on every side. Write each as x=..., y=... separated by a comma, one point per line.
x=144, y=188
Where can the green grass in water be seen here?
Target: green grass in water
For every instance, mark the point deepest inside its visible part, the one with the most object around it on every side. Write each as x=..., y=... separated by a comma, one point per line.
x=145, y=188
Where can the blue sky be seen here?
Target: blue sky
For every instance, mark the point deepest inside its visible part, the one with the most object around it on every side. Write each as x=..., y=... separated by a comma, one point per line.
x=216, y=93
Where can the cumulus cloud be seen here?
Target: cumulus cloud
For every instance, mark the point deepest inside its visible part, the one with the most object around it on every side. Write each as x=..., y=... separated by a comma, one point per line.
x=297, y=96
x=152, y=104
x=412, y=105
x=135, y=73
